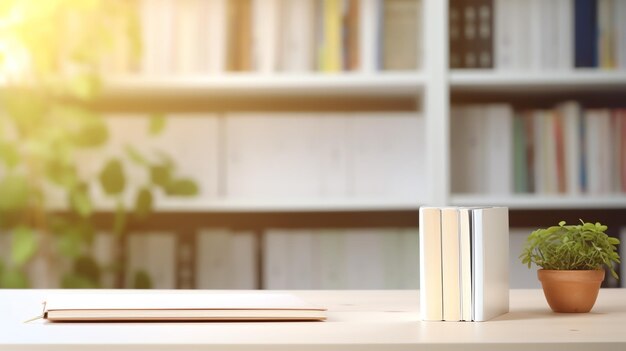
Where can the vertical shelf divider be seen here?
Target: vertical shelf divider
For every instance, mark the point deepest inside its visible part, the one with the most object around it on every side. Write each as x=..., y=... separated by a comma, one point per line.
x=436, y=100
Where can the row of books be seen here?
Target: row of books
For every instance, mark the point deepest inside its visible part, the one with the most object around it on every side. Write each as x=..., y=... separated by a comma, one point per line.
x=464, y=258
x=341, y=259
x=565, y=150
x=537, y=34
x=211, y=37
x=229, y=259
x=273, y=157
x=291, y=259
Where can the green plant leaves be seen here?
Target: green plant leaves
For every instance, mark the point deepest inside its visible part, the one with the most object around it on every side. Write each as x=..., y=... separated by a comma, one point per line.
x=182, y=187
x=24, y=245
x=112, y=177
x=142, y=280
x=135, y=156
x=157, y=124
x=13, y=279
x=161, y=175
x=143, y=202
x=8, y=154
x=571, y=247
x=14, y=193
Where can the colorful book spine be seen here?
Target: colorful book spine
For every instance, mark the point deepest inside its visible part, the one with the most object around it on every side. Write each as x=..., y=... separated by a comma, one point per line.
x=585, y=27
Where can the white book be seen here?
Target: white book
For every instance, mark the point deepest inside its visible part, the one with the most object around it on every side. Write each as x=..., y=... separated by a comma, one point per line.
x=490, y=271
x=431, y=284
x=265, y=16
x=300, y=259
x=620, y=34
x=297, y=34
x=187, y=39
x=538, y=117
x=409, y=239
x=549, y=149
x=615, y=160
x=503, y=34
x=499, y=149
x=104, y=249
x=536, y=32
x=450, y=258
x=281, y=150
x=565, y=38
x=598, y=150
x=329, y=266
x=364, y=258
x=571, y=114
x=388, y=156
x=155, y=254
x=336, y=173
x=213, y=255
x=522, y=38
x=370, y=27
x=276, y=259
x=465, y=256
x=149, y=36
x=468, y=147
x=604, y=157
x=165, y=41
x=243, y=260
x=215, y=34
x=393, y=260
x=550, y=34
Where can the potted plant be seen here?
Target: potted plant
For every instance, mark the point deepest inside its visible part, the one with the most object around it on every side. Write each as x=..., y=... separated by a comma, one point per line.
x=572, y=258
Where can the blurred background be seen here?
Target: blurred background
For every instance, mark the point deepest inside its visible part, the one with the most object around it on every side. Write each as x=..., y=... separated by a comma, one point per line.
x=288, y=144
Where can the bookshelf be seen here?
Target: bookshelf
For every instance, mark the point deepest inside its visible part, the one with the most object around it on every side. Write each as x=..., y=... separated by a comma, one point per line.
x=431, y=90
x=426, y=92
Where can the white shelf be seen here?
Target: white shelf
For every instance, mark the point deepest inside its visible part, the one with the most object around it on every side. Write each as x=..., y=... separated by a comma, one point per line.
x=553, y=81
x=532, y=202
x=262, y=205
x=342, y=84
x=284, y=206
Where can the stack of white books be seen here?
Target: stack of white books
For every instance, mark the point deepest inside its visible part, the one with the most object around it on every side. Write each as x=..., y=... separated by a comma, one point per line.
x=464, y=263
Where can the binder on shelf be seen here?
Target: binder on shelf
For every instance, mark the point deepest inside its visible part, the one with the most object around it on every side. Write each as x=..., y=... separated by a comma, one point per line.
x=464, y=263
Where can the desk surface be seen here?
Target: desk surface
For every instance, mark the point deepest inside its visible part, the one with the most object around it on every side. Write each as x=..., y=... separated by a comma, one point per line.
x=358, y=320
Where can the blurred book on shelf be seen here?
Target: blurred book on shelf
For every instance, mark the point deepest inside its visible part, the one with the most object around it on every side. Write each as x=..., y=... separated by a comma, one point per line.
x=191, y=37
x=340, y=259
x=537, y=34
x=565, y=150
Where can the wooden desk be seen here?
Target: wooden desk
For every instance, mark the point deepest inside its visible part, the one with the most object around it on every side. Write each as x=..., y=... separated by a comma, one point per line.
x=358, y=320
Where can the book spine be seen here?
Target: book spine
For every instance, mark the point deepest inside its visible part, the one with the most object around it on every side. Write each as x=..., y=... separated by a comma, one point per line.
x=456, y=34
x=450, y=264
x=520, y=164
x=431, y=284
x=585, y=24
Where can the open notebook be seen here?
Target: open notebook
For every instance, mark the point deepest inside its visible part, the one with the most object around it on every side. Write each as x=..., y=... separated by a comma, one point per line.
x=161, y=306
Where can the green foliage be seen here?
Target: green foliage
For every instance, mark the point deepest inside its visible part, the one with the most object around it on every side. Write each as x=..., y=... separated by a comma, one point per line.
x=14, y=191
x=157, y=124
x=143, y=203
x=142, y=280
x=47, y=119
x=13, y=278
x=571, y=247
x=182, y=187
x=112, y=177
x=24, y=245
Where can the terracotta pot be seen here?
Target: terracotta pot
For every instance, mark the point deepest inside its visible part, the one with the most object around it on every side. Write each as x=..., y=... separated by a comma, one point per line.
x=571, y=291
